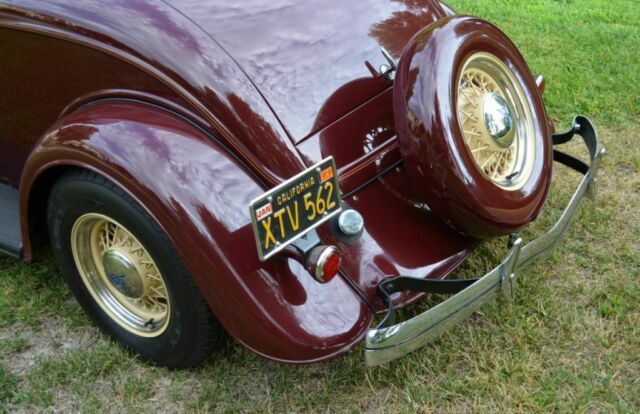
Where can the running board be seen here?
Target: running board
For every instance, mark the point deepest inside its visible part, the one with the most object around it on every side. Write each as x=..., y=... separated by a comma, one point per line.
x=10, y=237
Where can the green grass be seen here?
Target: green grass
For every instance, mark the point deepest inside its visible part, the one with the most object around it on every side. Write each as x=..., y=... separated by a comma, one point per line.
x=570, y=342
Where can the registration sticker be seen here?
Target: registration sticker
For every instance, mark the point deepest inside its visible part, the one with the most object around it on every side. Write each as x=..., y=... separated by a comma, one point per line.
x=326, y=174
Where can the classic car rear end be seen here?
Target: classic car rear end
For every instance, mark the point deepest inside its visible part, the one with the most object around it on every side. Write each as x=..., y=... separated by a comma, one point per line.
x=284, y=171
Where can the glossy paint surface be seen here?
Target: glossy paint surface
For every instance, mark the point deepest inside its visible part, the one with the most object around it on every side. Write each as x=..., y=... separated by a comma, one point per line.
x=433, y=145
x=299, y=53
x=401, y=237
x=88, y=60
x=363, y=143
x=43, y=77
x=275, y=308
x=197, y=74
x=311, y=80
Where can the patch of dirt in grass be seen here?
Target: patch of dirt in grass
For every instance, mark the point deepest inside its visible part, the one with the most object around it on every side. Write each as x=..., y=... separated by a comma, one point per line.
x=53, y=338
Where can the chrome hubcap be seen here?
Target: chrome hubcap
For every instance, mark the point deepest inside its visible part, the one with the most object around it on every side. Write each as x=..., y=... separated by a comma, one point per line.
x=498, y=119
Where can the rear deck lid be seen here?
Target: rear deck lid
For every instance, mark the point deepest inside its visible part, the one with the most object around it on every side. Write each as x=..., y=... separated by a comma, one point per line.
x=300, y=54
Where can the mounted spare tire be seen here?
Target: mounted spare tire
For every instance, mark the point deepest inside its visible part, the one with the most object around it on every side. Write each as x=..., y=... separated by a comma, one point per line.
x=472, y=127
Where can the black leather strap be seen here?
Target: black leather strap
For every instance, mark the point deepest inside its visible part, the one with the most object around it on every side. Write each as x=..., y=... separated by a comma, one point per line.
x=401, y=283
x=584, y=128
x=564, y=137
x=570, y=161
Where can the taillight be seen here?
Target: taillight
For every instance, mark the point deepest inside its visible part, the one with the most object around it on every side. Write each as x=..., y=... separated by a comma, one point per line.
x=323, y=262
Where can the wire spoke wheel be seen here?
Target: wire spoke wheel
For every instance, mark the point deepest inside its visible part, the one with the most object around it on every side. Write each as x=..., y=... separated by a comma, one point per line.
x=120, y=275
x=472, y=128
x=496, y=121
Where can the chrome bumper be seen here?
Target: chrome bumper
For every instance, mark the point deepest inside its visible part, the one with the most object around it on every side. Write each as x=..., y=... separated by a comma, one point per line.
x=389, y=341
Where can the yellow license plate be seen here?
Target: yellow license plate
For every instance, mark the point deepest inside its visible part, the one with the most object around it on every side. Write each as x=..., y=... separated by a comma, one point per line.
x=288, y=211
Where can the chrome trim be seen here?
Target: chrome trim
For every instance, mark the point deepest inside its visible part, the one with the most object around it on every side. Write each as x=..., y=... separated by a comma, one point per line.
x=327, y=252
x=498, y=119
x=350, y=222
x=383, y=344
x=388, y=70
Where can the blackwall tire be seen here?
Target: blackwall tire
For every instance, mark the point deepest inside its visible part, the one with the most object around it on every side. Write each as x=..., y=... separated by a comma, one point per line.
x=185, y=331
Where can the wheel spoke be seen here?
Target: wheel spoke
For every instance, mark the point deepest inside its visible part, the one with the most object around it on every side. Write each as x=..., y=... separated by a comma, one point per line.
x=473, y=133
x=488, y=160
x=153, y=276
x=482, y=148
x=470, y=99
x=468, y=116
x=157, y=291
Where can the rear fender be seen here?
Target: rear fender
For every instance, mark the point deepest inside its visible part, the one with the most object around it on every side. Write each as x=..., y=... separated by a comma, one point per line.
x=198, y=194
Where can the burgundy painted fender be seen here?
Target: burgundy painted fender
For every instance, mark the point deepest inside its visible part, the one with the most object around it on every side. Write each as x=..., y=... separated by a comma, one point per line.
x=195, y=73
x=431, y=140
x=193, y=188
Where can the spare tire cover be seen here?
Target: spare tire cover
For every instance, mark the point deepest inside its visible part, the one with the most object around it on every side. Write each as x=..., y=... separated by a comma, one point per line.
x=432, y=142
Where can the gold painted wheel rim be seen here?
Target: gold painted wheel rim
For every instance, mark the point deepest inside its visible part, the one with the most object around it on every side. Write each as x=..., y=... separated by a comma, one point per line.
x=120, y=274
x=507, y=161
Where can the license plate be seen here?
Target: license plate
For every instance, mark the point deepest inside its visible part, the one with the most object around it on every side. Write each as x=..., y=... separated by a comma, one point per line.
x=288, y=211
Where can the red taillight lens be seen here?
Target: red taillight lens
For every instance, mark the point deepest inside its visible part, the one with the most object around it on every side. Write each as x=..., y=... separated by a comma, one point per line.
x=323, y=262
x=331, y=266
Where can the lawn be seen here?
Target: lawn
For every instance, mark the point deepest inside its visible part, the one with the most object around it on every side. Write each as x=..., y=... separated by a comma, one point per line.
x=570, y=341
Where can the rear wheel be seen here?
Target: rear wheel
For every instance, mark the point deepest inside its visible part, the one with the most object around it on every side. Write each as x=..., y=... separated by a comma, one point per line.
x=126, y=274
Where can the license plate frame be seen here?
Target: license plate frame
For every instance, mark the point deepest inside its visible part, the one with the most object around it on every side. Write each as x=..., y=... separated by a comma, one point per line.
x=275, y=211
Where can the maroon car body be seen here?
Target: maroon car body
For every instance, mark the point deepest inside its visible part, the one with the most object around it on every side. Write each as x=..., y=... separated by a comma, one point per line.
x=195, y=108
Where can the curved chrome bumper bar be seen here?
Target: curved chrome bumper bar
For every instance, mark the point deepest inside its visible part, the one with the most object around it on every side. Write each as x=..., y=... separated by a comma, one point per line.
x=389, y=341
